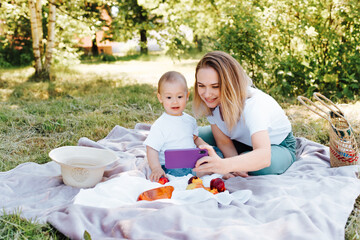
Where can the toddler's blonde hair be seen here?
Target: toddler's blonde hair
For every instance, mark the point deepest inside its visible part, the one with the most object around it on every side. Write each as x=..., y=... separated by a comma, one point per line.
x=171, y=77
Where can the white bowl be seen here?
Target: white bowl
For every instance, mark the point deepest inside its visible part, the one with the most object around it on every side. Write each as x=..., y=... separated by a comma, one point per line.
x=82, y=167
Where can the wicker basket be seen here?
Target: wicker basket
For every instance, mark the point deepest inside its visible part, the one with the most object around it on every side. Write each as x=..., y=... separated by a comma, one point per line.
x=343, y=147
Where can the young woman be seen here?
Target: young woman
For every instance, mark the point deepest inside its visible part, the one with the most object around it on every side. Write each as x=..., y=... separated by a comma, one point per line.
x=249, y=127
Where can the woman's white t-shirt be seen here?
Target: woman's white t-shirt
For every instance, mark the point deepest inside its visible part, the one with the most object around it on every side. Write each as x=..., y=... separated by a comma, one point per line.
x=172, y=132
x=261, y=112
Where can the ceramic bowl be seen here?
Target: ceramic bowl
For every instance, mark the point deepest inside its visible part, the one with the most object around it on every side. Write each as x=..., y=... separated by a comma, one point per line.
x=82, y=167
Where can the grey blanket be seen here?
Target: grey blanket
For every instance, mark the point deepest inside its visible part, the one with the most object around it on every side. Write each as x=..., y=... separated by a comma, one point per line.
x=309, y=201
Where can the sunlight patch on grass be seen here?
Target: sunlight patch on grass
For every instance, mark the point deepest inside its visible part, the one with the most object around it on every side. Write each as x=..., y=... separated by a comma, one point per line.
x=15, y=76
x=141, y=71
x=5, y=94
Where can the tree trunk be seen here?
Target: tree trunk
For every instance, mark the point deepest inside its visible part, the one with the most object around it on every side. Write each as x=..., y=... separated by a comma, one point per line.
x=143, y=42
x=51, y=35
x=39, y=25
x=94, y=48
x=35, y=37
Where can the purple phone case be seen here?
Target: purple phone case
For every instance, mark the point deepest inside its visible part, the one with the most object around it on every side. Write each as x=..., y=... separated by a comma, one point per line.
x=183, y=158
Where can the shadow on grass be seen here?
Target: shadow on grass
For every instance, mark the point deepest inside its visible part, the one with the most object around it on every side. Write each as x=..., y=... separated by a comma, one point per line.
x=113, y=58
x=37, y=91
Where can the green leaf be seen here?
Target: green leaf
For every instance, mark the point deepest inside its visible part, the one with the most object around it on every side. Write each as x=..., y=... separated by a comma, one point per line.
x=87, y=235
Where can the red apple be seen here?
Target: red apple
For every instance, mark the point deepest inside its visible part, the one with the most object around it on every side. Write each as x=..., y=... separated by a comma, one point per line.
x=163, y=180
x=217, y=183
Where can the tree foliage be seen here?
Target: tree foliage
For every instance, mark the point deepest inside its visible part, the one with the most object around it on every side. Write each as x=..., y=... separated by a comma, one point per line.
x=288, y=47
x=15, y=50
x=240, y=35
x=318, y=47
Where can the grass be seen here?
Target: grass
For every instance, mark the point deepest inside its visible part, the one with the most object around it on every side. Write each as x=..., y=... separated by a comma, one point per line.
x=89, y=100
x=12, y=226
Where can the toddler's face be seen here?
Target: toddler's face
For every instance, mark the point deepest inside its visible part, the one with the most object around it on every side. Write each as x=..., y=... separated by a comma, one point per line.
x=173, y=97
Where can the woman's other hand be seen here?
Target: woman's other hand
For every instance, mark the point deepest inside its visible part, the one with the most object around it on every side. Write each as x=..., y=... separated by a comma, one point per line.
x=235, y=174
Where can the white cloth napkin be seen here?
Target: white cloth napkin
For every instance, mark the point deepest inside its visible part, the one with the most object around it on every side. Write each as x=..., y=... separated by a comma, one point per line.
x=126, y=188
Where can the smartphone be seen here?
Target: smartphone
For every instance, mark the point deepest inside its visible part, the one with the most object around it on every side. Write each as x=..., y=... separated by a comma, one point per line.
x=183, y=158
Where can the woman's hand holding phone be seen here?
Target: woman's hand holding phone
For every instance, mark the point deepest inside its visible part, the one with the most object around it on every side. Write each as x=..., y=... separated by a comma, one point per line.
x=212, y=163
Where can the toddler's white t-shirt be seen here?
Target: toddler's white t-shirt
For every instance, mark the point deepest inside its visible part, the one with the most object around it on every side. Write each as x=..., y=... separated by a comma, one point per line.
x=261, y=112
x=172, y=132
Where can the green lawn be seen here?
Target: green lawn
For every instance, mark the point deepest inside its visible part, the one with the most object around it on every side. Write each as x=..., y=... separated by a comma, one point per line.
x=89, y=100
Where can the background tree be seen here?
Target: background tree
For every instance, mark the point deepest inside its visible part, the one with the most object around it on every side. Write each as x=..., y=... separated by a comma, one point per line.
x=56, y=39
x=36, y=33
x=51, y=35
x=129, y=18
x=190, y=25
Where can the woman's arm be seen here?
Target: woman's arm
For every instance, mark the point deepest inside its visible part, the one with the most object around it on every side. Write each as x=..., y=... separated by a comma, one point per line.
x=255, y=160
x=223, y=142
x=226, y=145
x=259, y=157
x=153, y=160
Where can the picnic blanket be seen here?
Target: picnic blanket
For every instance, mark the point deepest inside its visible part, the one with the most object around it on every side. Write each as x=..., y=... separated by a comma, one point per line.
x=309, y=201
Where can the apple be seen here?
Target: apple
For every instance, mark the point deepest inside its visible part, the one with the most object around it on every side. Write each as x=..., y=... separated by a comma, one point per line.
x=163, y=180
x=218, y=184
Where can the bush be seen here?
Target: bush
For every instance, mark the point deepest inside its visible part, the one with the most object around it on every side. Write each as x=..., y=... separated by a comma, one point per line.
x=15, y=52
x=108, y=58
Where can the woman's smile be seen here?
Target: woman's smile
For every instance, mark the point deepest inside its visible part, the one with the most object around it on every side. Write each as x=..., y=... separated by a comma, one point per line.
x=210, y=100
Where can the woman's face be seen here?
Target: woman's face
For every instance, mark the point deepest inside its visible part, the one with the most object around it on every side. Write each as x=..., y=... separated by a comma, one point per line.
x=208, y=86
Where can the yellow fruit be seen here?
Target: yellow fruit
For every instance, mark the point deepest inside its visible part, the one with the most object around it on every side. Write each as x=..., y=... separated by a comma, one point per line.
x=195, y=179
x=194, y=185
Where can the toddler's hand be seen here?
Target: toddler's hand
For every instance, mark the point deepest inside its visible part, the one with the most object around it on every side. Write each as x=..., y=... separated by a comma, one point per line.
x=156, y=174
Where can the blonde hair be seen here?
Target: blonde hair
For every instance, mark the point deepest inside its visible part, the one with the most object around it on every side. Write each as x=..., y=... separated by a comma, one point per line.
x=233, y=82
x=171, y=77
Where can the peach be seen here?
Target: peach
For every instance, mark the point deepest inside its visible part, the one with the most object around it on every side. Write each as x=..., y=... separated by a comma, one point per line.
x=195, y=179
x=214, y=191
x=194, y=185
